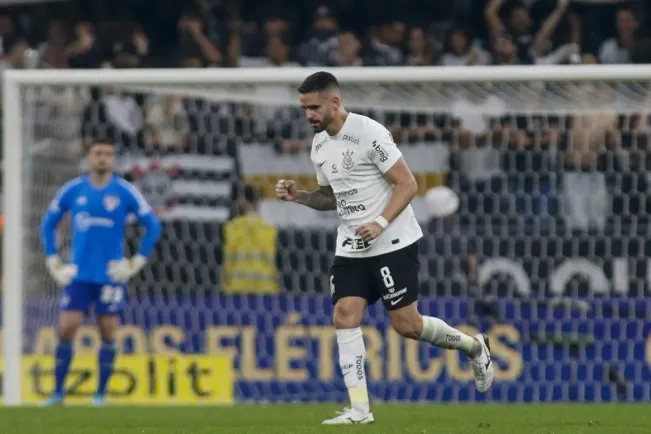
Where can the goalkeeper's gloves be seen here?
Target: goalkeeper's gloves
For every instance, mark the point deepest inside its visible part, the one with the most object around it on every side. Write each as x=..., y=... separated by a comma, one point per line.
x=60, y=272
x=124, y=269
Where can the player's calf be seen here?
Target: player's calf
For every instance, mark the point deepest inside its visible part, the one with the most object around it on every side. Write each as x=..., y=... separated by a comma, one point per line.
x=407, y=322
x=106, y=358
x=352, y=357
x=69, y=322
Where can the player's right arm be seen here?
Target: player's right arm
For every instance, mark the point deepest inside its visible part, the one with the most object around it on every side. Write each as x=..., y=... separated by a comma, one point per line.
x=322, y=199
x=60, y=272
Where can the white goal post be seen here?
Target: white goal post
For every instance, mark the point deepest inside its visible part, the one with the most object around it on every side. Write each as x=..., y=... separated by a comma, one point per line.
x=21, y=87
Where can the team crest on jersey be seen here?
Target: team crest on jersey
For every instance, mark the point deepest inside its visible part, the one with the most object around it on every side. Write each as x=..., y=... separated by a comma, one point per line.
x=111, y=202
x=81, y=200
x=348, y=161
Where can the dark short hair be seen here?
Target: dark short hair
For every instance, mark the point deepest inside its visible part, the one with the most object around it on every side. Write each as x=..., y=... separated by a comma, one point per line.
x=318, y=82
x=101, y=140
x=251, y=193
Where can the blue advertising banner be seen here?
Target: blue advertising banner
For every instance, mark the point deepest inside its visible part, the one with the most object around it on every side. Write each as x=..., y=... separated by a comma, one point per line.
x=284, y=346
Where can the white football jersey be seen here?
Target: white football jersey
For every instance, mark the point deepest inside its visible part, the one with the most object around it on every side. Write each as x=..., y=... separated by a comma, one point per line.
x=353, y=162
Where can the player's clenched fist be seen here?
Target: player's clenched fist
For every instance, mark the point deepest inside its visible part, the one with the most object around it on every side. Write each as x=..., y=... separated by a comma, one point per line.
x=286, y=189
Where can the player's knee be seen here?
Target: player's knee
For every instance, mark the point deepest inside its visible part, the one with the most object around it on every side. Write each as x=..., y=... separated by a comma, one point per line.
x=108, y=325
x=69, y=323
x=67, y=331
x=408, y=324
x=348, y=314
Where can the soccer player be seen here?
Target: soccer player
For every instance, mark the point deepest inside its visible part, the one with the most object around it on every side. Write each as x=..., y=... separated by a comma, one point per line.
x=98, y=272
x=362, y=174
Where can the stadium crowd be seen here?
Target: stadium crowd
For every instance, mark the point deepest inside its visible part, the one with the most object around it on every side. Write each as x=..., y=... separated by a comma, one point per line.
x=222, y=33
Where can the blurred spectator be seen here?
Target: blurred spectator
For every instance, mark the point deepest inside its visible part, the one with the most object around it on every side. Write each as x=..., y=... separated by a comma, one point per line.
x=477, y=155
x=504, y=51
x=589, y=59
x=116, y=115
x=275, y=25
x=420, y=51
x=85, y=51
x=53, y=50
x=195, y=47
x=544, y=50
x=324, y=27
x=518, y=28
x=250, y=246
x=8, y=34
x=127, y=46
x=459, y=52
x=277, y=54
x=166, y=122
x=342, y=50
x=214, y=27
x=584, y=180
x=384, y=46
x=616, y=50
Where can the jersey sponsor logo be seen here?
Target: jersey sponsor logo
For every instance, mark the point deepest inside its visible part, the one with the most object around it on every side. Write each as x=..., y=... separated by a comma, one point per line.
x=111, y=202
x=346, y=193
x=351, y=139
x=320, y=145
x=380, y=151
x=84, y=221
x=356, y=244
x=395, y=295
x=348, y=162
x=359, y=366
x=334, y=168
x=344, y=210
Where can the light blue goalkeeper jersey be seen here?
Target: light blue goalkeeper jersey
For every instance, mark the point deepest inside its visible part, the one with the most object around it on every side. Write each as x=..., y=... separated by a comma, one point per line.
x=98, y=217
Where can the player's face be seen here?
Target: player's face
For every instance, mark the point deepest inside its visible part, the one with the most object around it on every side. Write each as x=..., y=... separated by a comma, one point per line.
x=101, y=158
x=320, y=108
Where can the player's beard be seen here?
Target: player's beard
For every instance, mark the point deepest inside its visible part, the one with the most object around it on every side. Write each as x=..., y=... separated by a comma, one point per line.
x=101, y=171
x=324, y=123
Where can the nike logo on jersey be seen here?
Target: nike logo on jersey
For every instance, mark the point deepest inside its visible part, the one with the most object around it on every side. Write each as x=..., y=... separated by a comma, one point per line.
x=396, y=301
x=320, y=163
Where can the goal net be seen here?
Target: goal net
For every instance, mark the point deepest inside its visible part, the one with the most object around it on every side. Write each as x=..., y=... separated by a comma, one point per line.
x=549, y=252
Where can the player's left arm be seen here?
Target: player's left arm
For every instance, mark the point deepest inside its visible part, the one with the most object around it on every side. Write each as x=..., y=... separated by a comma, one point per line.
x=122, y=270
x=138, y=205
x=389, y=160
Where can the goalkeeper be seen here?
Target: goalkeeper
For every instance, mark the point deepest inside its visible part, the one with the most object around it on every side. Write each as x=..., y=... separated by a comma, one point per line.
x=99, y=204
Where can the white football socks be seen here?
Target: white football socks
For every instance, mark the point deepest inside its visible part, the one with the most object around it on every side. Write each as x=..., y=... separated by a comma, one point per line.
x=352, y=355
x=439, y=334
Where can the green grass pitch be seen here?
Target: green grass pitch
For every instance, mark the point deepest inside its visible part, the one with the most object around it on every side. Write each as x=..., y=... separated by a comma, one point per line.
x=298, y=419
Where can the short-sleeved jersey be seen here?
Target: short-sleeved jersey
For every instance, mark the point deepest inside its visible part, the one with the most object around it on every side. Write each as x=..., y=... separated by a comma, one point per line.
x=353, y=162
x=98, y=218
